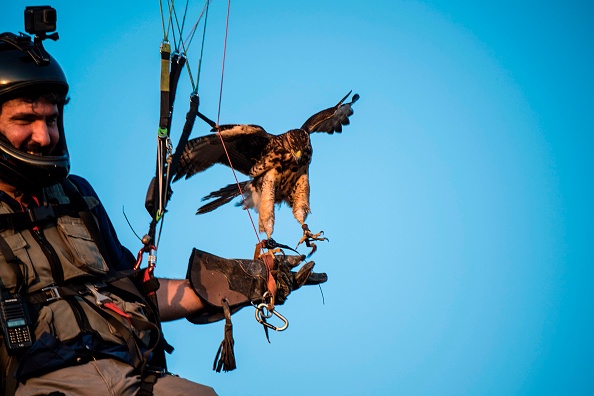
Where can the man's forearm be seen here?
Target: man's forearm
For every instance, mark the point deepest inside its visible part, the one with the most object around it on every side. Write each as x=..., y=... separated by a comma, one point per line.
x=177, y=299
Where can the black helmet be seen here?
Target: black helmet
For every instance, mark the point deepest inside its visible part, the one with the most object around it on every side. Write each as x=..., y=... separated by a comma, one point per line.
x=26, y=69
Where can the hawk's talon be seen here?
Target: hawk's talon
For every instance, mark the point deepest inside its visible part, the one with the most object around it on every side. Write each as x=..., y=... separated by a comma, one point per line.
x=313, y=247
x=308, y=237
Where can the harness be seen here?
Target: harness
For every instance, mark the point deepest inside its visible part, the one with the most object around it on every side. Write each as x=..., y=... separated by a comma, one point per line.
x=93, y=296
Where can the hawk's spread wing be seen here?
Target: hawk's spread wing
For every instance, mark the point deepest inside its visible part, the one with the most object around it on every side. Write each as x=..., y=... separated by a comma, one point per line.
x=244, y=144
x=332, y=119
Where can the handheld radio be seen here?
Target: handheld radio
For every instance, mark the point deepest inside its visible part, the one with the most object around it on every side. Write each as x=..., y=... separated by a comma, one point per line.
x=16, y=324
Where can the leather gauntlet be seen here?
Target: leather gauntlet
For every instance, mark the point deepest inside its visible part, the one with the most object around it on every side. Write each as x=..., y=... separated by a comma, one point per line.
x=243, y=282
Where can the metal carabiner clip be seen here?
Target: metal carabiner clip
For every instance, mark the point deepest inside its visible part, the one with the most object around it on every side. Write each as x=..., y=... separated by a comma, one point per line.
x=261, y=317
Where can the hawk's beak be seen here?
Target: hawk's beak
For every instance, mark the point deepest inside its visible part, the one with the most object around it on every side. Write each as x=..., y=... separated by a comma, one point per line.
x=297, y=156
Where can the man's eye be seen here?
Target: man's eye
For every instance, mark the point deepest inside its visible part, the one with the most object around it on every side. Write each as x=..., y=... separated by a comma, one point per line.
x=52, y=121
x=23, y=120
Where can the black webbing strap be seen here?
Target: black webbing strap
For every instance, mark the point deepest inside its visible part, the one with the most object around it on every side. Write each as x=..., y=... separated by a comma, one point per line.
x=37, y=216
x=51, y=293
x=80, y=316
x=147, y=383
x=120, y=281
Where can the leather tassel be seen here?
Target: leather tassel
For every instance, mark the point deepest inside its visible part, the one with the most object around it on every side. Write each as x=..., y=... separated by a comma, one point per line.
x=225, y=358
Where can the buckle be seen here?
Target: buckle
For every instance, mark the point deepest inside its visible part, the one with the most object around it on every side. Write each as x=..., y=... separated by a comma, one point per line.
x=100, y=298
x=156, y=371
x=51, y=293
x=41, y=213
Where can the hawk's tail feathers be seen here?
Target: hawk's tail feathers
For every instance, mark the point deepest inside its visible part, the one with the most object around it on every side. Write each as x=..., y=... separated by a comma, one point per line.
x=223, y=196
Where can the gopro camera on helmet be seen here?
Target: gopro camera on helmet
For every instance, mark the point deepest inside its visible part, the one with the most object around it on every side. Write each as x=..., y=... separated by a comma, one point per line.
x=40, y=20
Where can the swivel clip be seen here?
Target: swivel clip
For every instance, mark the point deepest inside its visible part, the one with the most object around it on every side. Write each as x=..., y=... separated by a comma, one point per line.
x=263, y=313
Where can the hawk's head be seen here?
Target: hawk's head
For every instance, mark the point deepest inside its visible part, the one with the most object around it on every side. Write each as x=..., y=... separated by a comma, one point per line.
x=297, y=143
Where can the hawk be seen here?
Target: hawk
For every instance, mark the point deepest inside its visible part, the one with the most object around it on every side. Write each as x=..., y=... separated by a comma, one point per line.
x=278, y=165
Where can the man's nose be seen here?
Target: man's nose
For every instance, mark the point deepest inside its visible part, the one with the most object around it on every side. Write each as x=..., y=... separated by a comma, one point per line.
x=41, y=133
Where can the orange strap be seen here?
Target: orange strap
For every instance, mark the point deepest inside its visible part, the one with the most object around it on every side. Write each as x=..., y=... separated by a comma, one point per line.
x=268, y=259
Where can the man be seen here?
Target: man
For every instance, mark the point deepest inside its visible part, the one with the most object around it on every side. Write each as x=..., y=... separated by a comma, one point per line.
x=33, y=164
x=63, y=271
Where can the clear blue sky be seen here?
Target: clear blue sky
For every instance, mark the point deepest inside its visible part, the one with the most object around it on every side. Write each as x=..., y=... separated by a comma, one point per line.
x=457, y=203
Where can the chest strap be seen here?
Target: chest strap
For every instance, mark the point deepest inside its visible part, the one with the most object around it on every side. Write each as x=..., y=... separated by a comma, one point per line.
x=53, y=293
x=37, y=216
x=120, y=281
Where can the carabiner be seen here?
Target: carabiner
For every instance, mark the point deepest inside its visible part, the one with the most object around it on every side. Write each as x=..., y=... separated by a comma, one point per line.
x=261, y=317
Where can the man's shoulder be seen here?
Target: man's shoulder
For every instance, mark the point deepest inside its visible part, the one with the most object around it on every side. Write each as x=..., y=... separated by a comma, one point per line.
x=82, y=185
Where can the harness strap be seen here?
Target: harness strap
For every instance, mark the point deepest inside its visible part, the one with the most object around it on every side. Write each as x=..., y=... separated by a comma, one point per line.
x=52, y=293
x=81, y=318
x=147, y=384
x=119, y=280
x=31, y=217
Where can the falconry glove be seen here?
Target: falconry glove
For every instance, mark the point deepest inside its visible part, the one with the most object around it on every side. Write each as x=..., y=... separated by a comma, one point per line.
x=242, y=282
x=228, y=285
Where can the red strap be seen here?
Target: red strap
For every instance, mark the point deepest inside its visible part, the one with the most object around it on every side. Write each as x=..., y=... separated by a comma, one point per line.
x=116, y=309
